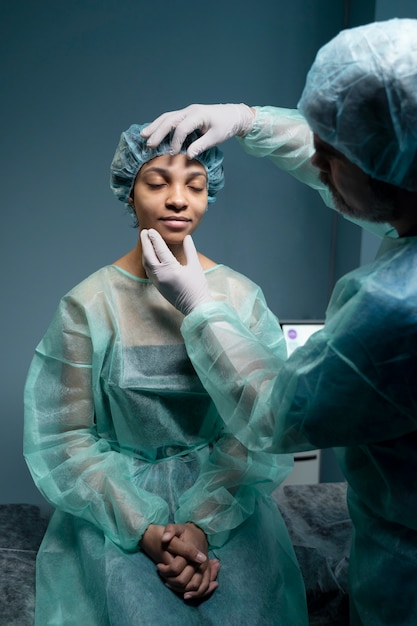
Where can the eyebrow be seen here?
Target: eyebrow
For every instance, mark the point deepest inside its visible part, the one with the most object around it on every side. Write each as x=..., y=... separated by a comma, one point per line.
x=166, y=172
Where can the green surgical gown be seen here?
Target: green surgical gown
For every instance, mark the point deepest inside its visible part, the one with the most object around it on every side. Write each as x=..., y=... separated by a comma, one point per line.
x=120, y=434
x=353, y=386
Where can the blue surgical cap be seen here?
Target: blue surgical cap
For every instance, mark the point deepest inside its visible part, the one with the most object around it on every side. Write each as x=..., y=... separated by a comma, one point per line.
x=132, y=152
x=361, y=98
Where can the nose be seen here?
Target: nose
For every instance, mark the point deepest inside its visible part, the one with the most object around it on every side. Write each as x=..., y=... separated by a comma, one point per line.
x=176, y=199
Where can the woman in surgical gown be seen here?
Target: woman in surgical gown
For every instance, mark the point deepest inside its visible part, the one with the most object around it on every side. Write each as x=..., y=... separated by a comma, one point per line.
x=120, y=435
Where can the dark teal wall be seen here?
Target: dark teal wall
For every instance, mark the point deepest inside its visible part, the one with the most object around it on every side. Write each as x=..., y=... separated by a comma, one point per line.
x=74, y=75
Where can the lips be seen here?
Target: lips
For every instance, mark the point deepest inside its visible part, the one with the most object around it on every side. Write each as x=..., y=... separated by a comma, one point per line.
x=174, y=218
x=176, y=223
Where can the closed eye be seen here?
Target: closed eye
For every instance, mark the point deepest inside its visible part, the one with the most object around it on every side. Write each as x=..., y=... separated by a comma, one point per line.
x=156, y=185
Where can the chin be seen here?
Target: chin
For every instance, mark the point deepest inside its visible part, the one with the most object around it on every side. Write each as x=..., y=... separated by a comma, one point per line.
x=173, y=241
x=338, y=199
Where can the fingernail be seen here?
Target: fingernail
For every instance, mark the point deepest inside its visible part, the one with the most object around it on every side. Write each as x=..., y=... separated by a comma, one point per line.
x=200, y=557
x=187, y=596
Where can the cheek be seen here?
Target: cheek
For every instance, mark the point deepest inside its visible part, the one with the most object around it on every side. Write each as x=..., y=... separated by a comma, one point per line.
x=201, y=210
x=320, y=162
x=146, y=204
x=340, y=178
x=197, y=219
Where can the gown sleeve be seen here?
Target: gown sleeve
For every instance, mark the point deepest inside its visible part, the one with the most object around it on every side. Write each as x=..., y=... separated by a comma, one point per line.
x=352, y=383
x=225, y=493
x=74, y=468
x=283, y=136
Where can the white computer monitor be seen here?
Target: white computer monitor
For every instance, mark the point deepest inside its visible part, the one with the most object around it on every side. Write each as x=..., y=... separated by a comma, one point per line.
x=307, y=464
x=297, y=332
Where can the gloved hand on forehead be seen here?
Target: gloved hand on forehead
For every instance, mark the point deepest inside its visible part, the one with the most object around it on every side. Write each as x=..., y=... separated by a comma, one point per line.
x=217, y=122
x=184, y=286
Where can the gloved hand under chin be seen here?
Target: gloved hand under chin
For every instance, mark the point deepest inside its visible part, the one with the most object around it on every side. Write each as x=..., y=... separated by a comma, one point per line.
x=217, y=123
x=184, y=286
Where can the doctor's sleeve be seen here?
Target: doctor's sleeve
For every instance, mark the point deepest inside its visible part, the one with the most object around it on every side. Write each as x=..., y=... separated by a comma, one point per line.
x=284, y=137
x=328, y=393
x=225, y=493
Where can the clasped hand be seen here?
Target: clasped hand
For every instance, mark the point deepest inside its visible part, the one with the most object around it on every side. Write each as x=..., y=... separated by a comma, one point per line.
x=181, y=554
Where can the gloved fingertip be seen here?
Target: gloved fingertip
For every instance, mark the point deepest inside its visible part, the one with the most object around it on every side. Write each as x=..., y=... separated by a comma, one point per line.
x=175, y=147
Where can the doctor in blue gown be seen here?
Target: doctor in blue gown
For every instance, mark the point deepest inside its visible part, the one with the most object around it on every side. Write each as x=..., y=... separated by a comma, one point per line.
x=353, y=386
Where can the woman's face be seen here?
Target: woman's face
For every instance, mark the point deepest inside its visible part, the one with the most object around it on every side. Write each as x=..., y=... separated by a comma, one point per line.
x=170, y=195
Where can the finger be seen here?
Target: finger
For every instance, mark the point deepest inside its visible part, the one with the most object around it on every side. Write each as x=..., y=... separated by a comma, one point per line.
x=162, y=126
x=191, y=120
x=194, y=595
x=162, y=251
x=148, y=251
x=215, y=566
x=159, y=122
x=200, y=580
x=181, y=133
x=200, y=587
x=170, y=531
x=151, y=128
x=190, y=595
x=186, y=550
x=182, y=580
x=212, y=586
x=173, y=568
x=190, y=251
x=208, y=585
x=201, y=144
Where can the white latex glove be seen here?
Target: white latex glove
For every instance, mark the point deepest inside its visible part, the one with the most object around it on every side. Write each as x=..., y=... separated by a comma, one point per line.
x=184, y=286
x=217, y=122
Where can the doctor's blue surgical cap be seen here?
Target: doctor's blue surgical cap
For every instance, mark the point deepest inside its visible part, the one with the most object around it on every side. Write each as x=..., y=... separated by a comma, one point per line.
x=132, y=152
x=361, y=98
